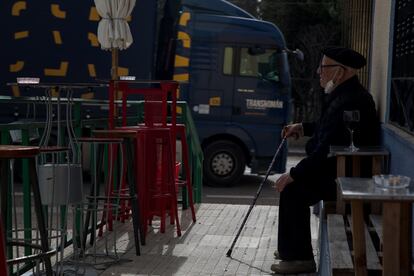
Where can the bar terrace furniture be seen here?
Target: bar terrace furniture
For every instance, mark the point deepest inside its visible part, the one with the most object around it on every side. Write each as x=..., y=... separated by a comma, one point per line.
x=379, y=157
x=12, y=152
x=396, y=203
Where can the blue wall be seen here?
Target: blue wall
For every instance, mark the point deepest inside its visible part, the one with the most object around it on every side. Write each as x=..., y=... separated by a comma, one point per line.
x=401, y=147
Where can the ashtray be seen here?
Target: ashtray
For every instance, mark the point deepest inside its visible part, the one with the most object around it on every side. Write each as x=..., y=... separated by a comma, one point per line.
x=26, y=80
x=390, y=181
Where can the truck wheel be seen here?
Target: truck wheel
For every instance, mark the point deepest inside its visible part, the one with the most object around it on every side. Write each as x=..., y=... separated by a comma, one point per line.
x=224, y=163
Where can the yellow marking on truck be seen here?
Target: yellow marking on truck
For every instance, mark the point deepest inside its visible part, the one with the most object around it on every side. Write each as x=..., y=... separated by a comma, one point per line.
x=91, y=70
x=123, y=71
x=57, y=37
x=88, y=95
x=184, y=18
x=59, y=72
x=15, y=91
x=181, y=77
x=20, y=35
x=185, y=38
x=179, y=110
x=177, y=95
x=55, y=92
x=17, y=66
x=181, y=61
x=93, y=14
x=93, y=39
x=57, y=12
x=18, y=7
x=215, y=101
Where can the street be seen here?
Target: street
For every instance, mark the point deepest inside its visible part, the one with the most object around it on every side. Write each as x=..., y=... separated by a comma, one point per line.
x=245, y=191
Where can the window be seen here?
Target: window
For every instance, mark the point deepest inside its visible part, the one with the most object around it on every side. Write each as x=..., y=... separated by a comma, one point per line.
x=228, y=61
x=259, y=64
x=402, y=82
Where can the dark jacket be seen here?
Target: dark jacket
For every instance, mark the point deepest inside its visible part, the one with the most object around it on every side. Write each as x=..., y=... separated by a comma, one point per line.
x=331, y=130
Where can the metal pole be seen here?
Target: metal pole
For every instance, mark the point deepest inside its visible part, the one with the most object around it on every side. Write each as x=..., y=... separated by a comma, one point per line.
x=255, y=198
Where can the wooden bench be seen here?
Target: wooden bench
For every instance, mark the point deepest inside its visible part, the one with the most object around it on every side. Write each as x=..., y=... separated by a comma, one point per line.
x=340, y=245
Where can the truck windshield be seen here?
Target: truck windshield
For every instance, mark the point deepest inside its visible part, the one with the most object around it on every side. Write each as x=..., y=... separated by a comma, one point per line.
x=263, y=65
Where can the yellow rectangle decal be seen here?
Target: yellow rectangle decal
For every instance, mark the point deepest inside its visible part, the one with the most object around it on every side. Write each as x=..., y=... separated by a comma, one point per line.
x=215, y=101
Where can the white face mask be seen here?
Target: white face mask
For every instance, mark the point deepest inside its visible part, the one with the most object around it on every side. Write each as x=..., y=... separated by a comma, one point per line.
x=330, y=85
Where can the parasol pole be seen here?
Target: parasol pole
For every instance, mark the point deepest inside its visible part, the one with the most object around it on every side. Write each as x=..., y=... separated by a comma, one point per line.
x=114, y=69
x=114, y=77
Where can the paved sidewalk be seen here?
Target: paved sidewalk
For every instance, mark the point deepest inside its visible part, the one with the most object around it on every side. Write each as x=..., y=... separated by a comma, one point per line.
x=201, y=250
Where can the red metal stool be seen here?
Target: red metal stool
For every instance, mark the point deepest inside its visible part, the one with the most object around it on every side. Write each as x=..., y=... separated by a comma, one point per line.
x=7, y=153
x=156, y=181
x=156, y=164
x=181, y=132
x=151, y=95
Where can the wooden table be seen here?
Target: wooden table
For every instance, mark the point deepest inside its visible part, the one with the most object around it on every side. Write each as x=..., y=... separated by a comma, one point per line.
x=379, y=157
x=396, y=205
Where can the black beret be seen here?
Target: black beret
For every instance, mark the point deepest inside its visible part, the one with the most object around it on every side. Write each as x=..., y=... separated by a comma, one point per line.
x=345, y=56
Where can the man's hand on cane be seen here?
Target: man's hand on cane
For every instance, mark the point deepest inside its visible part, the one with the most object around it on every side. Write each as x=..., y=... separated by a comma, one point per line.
x=295, y=130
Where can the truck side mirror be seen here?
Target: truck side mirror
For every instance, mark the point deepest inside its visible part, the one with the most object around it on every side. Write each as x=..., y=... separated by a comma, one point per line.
x=297, y=53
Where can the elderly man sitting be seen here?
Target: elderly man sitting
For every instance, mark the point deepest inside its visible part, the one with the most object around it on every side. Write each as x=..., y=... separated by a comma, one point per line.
x=312, y=179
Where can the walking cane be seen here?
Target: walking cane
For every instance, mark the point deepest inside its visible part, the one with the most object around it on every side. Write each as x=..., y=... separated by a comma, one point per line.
x=255, y=198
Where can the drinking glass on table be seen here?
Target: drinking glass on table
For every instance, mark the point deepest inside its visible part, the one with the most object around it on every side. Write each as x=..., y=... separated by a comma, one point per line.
x=351, y=119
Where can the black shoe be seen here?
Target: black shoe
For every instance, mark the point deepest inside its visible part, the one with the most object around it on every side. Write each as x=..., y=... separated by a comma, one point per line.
x=293, y=267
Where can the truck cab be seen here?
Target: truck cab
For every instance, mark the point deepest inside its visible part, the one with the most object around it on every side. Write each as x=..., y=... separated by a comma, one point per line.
x=235, y=78
x=232, y=68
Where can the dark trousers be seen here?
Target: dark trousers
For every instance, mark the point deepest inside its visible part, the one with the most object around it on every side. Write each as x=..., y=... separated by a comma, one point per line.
x=294, y=234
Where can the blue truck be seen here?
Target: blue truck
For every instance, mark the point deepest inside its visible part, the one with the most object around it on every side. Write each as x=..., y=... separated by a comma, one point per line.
x=233, y=69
